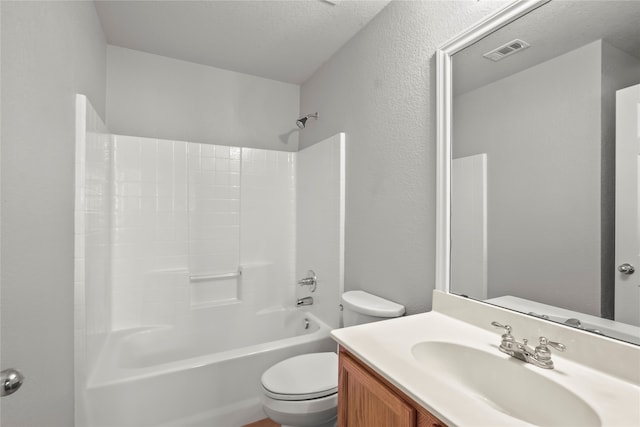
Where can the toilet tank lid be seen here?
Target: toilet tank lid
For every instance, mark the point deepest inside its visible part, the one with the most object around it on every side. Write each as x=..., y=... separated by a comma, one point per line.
x=372, y=305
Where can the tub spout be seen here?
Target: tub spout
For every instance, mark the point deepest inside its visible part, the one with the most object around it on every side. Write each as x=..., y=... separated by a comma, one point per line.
x=304, y=301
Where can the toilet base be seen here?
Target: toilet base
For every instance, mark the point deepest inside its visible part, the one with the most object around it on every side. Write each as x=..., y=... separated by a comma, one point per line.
x=321, y=412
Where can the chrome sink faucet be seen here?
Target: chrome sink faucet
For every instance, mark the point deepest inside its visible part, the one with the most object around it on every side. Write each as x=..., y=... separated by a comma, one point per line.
x=539, y=356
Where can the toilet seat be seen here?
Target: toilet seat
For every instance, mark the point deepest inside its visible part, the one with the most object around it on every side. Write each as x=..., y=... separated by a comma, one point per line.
x=304, y=377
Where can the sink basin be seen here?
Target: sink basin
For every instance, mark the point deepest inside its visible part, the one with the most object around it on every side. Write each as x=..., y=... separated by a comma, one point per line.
x=507, y=385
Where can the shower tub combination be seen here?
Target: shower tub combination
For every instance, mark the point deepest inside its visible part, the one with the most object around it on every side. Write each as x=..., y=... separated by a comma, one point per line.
x=202, y=372
x=156, y=347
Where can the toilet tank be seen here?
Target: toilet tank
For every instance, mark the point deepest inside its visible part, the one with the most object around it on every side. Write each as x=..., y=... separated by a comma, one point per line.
x=362, y=307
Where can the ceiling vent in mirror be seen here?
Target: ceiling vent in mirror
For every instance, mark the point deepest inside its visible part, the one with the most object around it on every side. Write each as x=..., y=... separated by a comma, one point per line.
x=506, y=49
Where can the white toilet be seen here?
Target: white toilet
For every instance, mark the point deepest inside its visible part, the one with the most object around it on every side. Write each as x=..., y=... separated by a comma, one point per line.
x=302, y=391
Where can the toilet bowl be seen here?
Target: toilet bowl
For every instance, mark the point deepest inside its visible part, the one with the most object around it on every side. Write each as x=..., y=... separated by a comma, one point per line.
x=302, y=391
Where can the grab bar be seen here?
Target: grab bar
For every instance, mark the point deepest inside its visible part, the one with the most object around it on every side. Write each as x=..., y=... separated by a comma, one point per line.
x=201, y=277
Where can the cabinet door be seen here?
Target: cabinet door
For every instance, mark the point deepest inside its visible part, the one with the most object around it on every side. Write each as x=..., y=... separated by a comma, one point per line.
x=425, y=419
x=366, y=402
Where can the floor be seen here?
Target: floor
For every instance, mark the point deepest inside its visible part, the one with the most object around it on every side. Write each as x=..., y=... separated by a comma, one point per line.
x=263, y=423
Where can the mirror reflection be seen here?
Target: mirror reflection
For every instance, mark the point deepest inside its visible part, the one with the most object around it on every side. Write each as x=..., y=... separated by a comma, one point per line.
x=545, y=149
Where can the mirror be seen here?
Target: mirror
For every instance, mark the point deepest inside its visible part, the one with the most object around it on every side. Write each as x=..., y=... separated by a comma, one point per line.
x=528, y=163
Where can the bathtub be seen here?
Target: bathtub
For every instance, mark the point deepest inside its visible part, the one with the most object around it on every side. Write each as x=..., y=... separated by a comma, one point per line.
x=196, y=373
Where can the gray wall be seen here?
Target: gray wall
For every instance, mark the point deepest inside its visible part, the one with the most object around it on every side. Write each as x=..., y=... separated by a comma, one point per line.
x=380, y=90
x=50, y=51
x=541, y=131
x=154, y=96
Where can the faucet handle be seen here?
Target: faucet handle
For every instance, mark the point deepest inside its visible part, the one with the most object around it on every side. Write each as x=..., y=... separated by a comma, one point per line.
x=542, y=352
x=500, y=325
x=558, y=346
x=311, y=280
x=508, y=343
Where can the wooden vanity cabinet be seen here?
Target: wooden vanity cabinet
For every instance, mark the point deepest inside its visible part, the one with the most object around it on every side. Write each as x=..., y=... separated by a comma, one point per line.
x=365, y=399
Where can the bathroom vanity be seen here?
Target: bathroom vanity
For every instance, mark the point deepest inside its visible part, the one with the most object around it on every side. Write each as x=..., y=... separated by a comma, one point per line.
x=445, y=367
x=368, y=400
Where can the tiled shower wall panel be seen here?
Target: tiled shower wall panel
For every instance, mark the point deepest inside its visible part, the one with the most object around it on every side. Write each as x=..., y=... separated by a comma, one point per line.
x=214, y=221
x=150, y=230
x=182, y=209
x=214, y=209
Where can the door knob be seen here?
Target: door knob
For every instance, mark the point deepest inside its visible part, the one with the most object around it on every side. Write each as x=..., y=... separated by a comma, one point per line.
x=10, y=381
x=626, y=268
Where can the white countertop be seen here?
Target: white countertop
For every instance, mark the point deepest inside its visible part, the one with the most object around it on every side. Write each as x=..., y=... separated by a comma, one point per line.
x=387, y=348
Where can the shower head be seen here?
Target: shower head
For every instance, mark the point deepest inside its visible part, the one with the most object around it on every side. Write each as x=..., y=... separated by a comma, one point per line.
x=303, y=121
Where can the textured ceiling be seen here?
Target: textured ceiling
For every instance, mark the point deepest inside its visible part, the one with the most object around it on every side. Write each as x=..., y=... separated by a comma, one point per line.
x=552, y=29
x=281, y=40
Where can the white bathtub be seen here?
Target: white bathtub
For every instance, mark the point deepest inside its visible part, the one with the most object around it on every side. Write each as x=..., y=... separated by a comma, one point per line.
x=206, y=375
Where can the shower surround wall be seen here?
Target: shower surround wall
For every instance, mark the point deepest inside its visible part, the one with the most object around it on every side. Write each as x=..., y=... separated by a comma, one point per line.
x=92, y=244
x=154, y=216
x=320, y=224
x=176, y=220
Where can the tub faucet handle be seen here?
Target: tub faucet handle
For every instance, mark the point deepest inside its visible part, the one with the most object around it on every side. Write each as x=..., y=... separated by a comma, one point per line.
x=310, y=280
